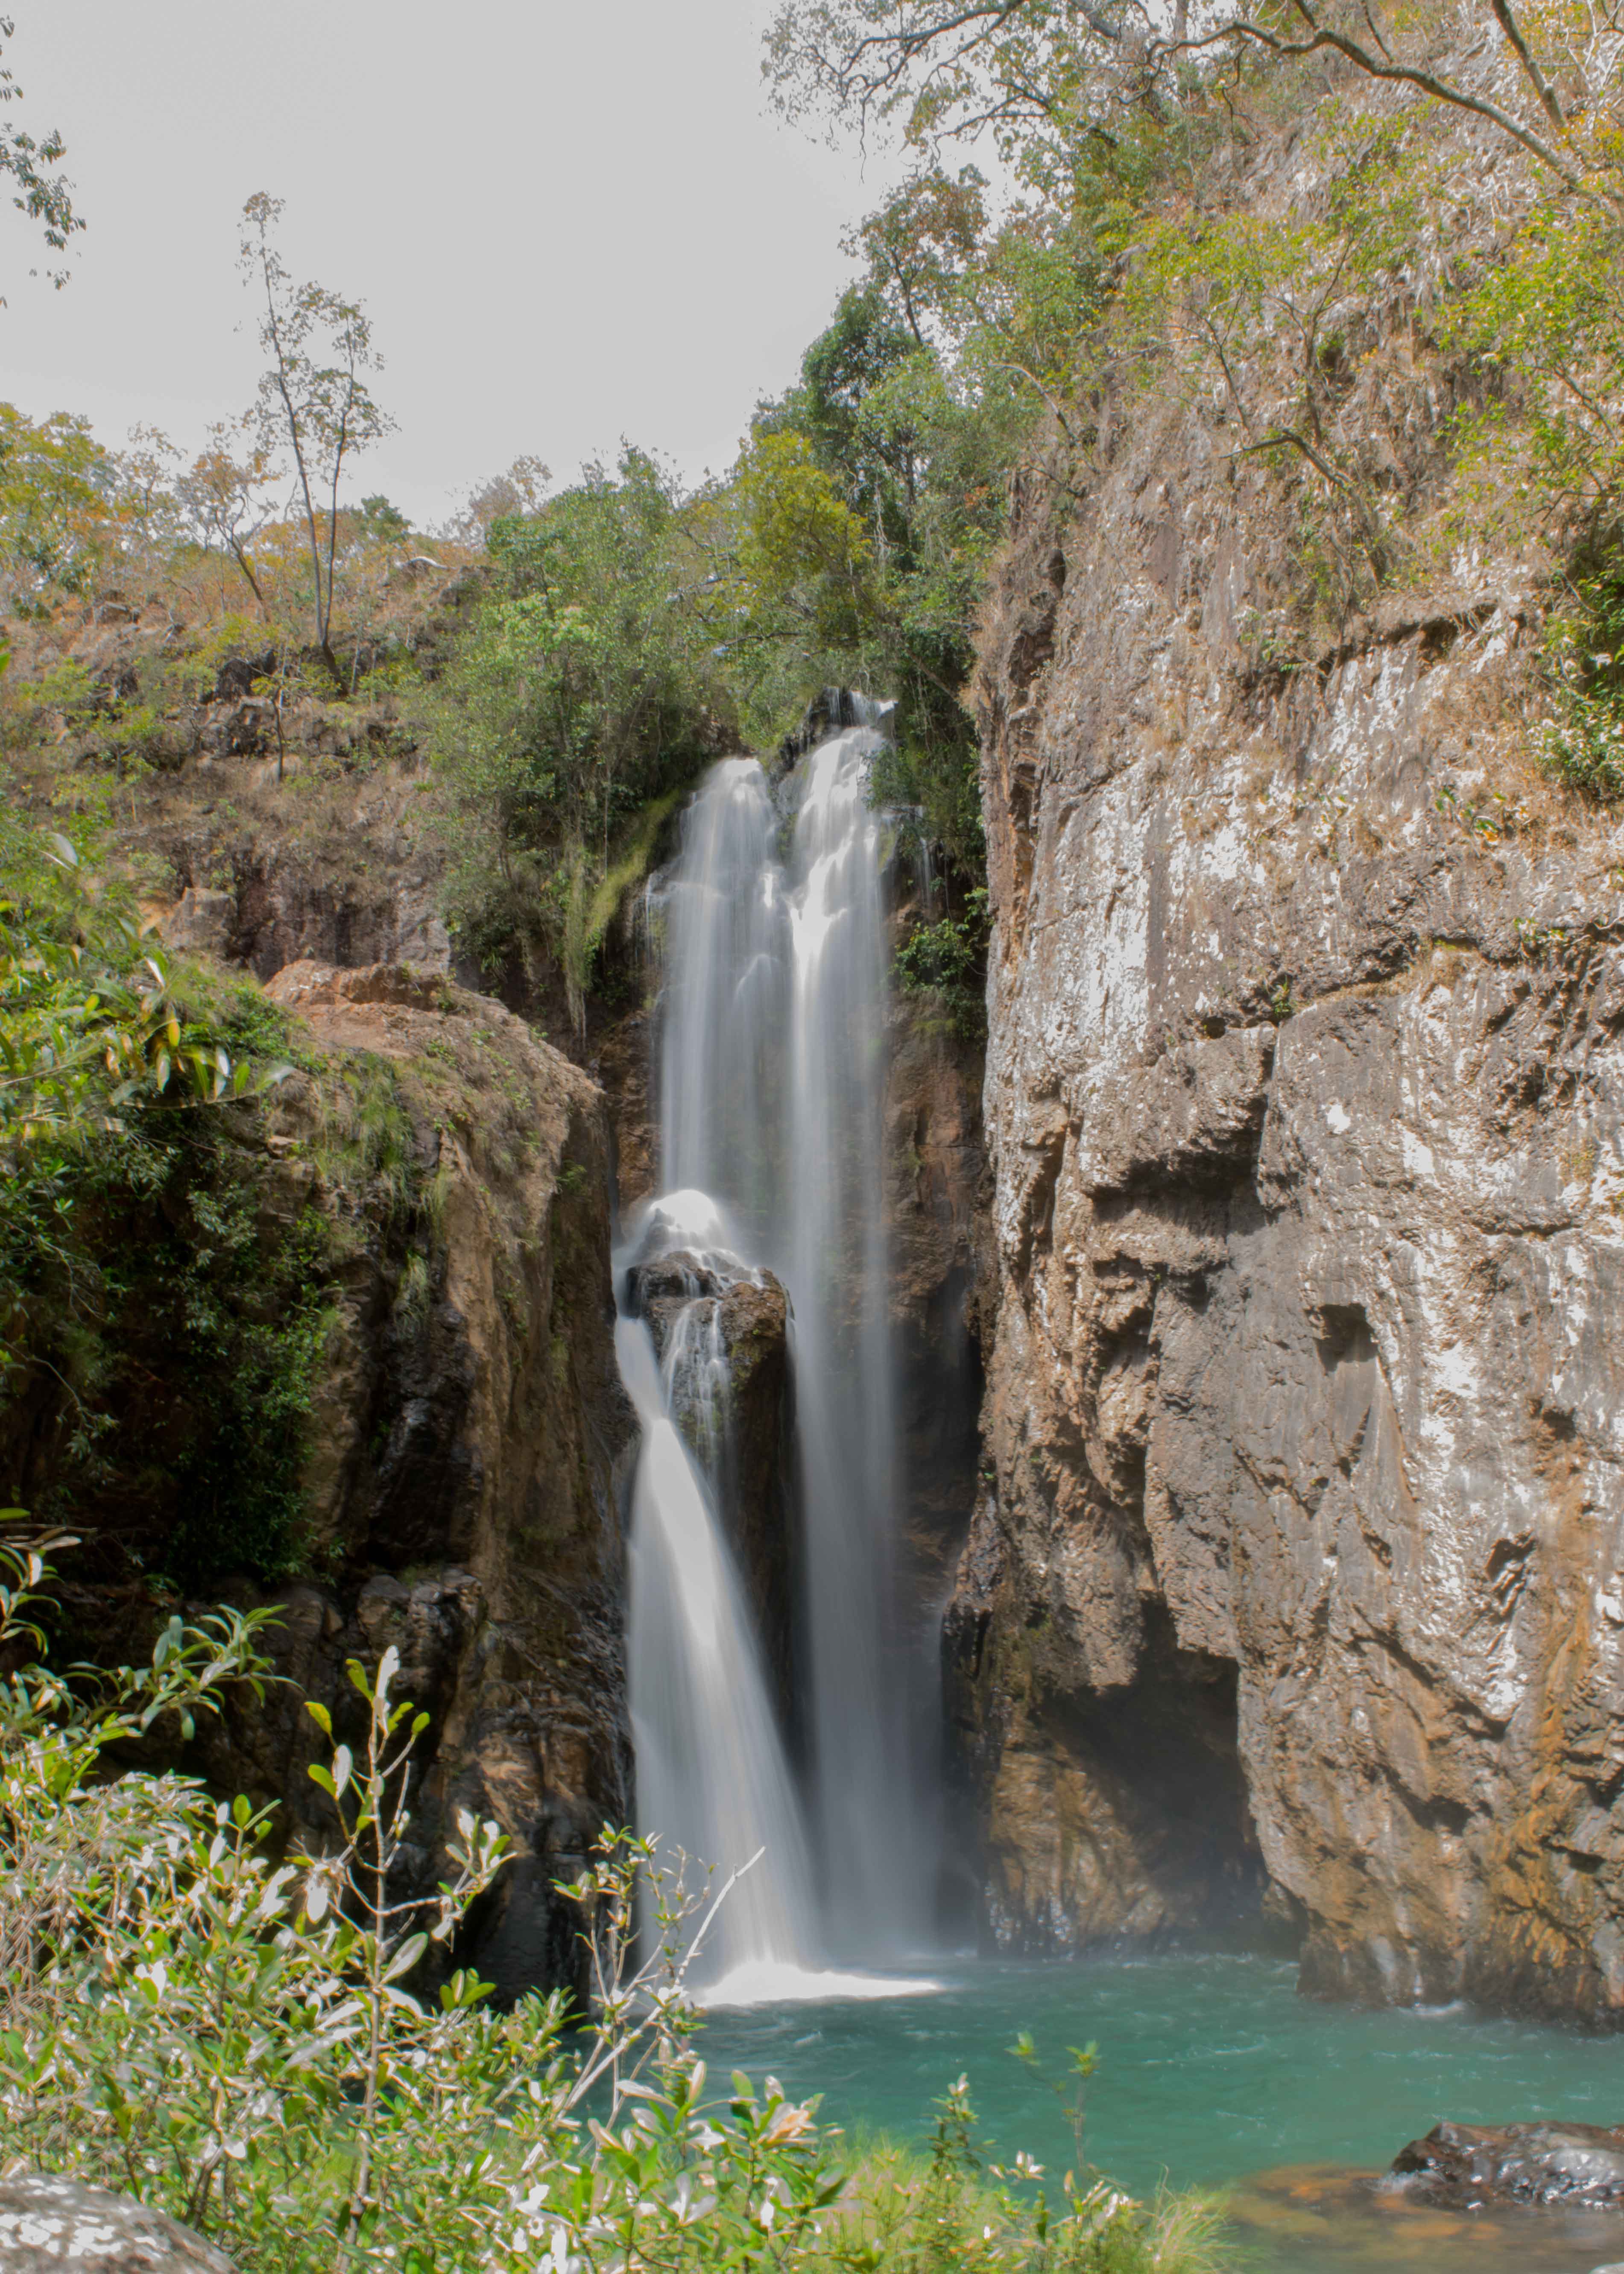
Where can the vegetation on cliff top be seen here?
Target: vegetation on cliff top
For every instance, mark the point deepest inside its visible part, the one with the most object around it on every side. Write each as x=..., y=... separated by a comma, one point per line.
x=163, y=1312
x=1383, y=248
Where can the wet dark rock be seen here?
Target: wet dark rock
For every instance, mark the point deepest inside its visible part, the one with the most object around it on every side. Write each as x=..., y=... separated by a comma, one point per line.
x=47, y=2222
x=1464, y=2165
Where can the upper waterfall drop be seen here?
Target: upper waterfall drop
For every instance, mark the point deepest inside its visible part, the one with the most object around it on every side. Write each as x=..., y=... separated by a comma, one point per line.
x=770, y=1075
x=724, y=1000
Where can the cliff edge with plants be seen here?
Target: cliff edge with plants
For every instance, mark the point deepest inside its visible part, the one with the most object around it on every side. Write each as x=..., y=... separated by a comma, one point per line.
x=1294, y=1575
x=307, y=1307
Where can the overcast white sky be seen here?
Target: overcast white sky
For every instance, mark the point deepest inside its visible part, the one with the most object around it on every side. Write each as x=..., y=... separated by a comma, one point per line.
x=569, y=221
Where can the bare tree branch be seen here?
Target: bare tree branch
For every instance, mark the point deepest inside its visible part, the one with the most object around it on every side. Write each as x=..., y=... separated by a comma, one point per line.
x=1508, y=24
x=1322, y=37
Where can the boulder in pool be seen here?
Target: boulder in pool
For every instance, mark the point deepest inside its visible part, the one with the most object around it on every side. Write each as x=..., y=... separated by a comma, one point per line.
x=1463, y=2166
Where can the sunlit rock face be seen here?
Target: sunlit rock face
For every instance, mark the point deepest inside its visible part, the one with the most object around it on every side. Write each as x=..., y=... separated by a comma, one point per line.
x=1297, y=1561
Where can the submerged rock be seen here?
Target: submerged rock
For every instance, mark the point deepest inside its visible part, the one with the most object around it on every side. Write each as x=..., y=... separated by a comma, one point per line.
x=47, y=2222
x=1462, y=2165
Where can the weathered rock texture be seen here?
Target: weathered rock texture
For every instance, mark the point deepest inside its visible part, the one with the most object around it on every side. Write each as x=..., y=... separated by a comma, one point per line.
x=468, y=1457
x=1467, y=2165
x=47, y=2222
x=935, y=1217
x=1304, y=1097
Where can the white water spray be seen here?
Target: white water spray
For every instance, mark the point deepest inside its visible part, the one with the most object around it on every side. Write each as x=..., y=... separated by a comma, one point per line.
x=772, y=1071
x=712, y=1774
x=834, y=1264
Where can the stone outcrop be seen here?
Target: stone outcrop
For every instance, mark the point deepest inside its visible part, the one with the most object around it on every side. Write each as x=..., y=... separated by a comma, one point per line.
x=279, y=909
x=440, y=1178
x=738, y=1419
x=47, y=2222
x=1297, y=1564
x=470, y=1448
x=1467, y=2166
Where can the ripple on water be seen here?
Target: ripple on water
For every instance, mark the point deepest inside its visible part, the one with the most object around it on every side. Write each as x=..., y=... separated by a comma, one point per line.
x=1213, y=2073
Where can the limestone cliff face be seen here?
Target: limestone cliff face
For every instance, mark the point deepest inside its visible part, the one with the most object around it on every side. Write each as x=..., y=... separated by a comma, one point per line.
x=1298, y=1565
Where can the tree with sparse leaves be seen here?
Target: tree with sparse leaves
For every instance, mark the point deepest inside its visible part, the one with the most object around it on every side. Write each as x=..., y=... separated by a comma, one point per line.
x=1050, y=76
x=45, y=197
x=314, y=400
x=223, y=497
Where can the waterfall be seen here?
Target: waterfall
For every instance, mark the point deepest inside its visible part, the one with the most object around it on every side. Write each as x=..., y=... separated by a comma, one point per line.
x=770, y=1079
x=725, y=1001
x=834, y=1264
x=711, y=1770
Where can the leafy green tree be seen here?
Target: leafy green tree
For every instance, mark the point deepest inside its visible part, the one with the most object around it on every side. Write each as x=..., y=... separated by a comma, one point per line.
x=87, y=1019
x=584, y=688
x=911, y=408
x=314, y=399
x=380, y=522
x=58, y=488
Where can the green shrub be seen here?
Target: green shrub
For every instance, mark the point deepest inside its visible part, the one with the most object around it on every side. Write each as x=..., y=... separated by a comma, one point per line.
x=256, y=2046
x=1583, y=742
x=946, y=962
x=133, y=1256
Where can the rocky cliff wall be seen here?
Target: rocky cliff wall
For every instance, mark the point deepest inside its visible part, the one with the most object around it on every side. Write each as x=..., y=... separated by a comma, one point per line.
x=441, y=1180
x=475, y=1467
x=1297, y=1566
x=936, y=1199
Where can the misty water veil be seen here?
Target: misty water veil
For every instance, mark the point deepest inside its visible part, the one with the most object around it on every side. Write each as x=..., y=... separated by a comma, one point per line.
x=770, y=927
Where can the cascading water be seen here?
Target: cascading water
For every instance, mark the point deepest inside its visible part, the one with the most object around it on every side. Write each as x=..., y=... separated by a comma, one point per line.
x=834, y=1265
x=771, y=1094
x=711, y=1769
